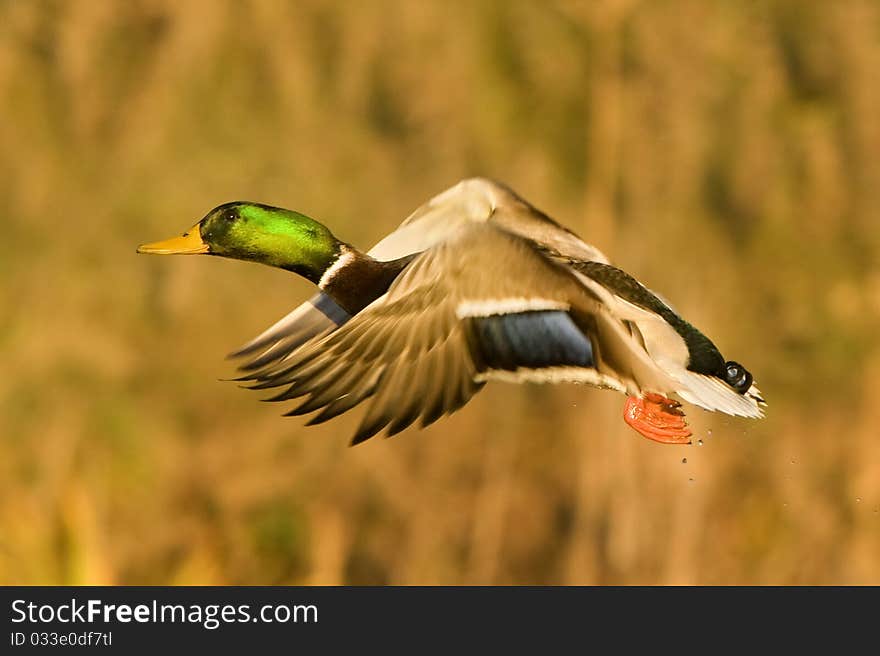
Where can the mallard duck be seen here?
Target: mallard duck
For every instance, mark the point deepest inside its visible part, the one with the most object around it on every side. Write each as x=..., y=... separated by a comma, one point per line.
x=475, y=285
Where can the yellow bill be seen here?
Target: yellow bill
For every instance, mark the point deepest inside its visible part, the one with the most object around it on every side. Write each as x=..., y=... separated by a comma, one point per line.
x=190, y=243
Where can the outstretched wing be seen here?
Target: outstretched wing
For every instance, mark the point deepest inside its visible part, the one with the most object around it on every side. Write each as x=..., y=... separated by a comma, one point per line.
x=480, y=200
x=482, y=301
x=472, y=201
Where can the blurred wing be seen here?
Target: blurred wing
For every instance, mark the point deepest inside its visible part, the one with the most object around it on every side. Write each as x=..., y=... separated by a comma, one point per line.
x=479, y=200
x=481, y=301
x=471, y=201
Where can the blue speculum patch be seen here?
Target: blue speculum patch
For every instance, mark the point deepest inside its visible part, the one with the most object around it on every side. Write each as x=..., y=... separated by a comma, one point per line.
x=534, y=340
x=331, y=310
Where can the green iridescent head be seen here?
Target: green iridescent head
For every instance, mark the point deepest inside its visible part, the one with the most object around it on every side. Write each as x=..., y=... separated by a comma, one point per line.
x=257, y=233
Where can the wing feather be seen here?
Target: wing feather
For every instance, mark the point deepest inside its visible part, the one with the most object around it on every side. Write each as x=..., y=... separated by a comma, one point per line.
x=470, y=202
x=409, y=351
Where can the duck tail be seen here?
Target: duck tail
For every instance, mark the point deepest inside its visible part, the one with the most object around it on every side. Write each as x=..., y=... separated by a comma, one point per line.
x=711, y=393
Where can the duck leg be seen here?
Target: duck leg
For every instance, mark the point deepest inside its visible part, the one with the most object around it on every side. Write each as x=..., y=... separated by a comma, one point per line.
x=657, y=418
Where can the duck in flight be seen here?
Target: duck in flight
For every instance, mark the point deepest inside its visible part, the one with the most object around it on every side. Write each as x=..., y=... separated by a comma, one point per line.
x=475, y=285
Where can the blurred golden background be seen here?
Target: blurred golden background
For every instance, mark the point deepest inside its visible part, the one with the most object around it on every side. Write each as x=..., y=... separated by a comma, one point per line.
x=726, y=153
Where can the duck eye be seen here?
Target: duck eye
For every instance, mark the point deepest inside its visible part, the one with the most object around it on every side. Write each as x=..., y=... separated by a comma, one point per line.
x=737, y=377
x=230, y=215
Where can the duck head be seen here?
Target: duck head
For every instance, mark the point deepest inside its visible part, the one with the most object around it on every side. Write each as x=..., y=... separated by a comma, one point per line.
x=257, y=233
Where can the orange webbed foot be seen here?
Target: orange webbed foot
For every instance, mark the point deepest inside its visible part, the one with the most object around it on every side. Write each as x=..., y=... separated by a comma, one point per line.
x=657, y=418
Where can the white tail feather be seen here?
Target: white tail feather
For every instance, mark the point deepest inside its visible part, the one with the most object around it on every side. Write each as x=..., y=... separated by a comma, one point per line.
x=712, y=394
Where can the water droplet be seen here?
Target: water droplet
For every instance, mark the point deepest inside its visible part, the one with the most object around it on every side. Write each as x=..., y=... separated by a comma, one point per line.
x=699, y=442
x=785, y=505
x=684, y=461
x=709, y=432
x=793, y=461
x=690, y=480
x=858, y=499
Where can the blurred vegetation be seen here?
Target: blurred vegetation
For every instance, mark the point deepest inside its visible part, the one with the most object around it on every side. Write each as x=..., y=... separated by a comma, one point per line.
x=725, y=152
